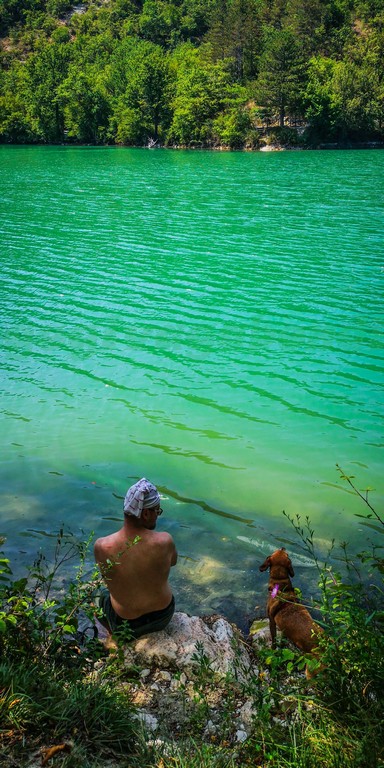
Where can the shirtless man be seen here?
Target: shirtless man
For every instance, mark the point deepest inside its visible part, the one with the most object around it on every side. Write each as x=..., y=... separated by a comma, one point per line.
x=135, y=564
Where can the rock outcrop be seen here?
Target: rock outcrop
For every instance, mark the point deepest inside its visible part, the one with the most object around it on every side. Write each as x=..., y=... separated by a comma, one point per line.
x=186, y=673
x=188, y=640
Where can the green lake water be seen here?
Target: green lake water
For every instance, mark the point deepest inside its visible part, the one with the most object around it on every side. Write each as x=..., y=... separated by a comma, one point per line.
x=212, y=321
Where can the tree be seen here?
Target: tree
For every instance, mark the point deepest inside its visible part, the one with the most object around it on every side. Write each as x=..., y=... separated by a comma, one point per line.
x=309, y=20
x=201, y=90
x=86, y=105
x=236, y=34
x=358, y=95
x=233, y=126
x=281, y=75
x=13, y=11
x=139, y=81
x=45, y=71
x=319, y=96
x=345, y=99
x=195, y=18
x=273, y=13
x=15, y=123
x=159, y=22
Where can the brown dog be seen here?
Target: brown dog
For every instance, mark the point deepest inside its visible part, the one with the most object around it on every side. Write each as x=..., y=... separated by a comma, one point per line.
x=284, y=609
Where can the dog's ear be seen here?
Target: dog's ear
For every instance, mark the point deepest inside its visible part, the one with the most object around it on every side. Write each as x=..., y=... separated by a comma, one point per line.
x=290, y=569
x=266, y=564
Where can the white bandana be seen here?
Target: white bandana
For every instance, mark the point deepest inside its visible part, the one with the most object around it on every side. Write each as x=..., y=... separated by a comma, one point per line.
x=142, y=495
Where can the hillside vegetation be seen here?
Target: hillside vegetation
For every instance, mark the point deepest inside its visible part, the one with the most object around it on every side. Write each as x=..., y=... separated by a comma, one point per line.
x=191, y=72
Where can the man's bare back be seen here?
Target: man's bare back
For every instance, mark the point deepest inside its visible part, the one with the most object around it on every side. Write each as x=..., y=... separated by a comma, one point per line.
x=135, y=563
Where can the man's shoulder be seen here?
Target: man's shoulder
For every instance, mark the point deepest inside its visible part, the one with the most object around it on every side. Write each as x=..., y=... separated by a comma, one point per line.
x=162, y=539
x=163, y=547
x=105, y=544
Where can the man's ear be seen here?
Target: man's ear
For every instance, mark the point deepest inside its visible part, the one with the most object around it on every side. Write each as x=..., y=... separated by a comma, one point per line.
x=145, y=515
x=266, y=564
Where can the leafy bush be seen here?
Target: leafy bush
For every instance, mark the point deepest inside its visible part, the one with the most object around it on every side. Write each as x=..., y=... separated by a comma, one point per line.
x=287, y=137
x=350, y=683
x=47, y=691
x=232, y=127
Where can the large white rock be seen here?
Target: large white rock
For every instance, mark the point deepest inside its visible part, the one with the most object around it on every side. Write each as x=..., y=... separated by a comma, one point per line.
x=185, y=638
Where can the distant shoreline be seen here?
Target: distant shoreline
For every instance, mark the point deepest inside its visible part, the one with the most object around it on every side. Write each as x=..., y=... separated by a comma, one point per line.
x=327, y=146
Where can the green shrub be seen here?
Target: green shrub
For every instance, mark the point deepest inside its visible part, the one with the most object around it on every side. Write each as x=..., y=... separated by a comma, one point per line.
x=47, y=691
x=287, y=137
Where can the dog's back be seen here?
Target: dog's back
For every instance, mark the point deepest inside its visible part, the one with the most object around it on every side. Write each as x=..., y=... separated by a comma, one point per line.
x=284, y=608
x=295, y=621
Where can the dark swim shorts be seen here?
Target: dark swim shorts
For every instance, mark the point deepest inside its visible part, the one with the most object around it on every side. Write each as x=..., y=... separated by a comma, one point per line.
x=143, y=625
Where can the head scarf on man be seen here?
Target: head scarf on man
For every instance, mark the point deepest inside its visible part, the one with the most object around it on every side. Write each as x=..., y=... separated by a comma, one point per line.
x=141, y=495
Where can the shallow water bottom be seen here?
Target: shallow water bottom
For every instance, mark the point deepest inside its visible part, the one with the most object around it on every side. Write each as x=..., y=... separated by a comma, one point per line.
x=219, y=550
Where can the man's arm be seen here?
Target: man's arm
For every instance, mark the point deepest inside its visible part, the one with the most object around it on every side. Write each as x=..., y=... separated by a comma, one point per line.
x=174, y=554
x=168, y=546
x=172, y=550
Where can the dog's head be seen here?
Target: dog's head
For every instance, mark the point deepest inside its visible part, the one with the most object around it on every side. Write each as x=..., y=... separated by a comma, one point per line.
x=279, y=558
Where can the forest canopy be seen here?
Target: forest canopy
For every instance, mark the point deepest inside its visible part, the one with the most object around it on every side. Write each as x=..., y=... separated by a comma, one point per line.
x=203, y=73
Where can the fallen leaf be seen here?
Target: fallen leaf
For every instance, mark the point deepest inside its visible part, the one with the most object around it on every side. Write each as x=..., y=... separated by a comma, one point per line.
x=15, y=701
x=52, y=751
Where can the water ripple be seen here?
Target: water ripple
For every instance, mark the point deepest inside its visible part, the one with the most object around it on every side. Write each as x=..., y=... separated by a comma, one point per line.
x=204, y=312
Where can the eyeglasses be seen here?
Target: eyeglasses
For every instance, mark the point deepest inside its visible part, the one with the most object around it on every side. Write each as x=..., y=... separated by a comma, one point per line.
x=158, y=511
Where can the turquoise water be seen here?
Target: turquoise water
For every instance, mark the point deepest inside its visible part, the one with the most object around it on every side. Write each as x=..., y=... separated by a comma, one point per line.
x=209, y=320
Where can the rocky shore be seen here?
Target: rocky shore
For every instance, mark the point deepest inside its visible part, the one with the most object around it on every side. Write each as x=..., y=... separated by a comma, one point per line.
x=196, y=672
